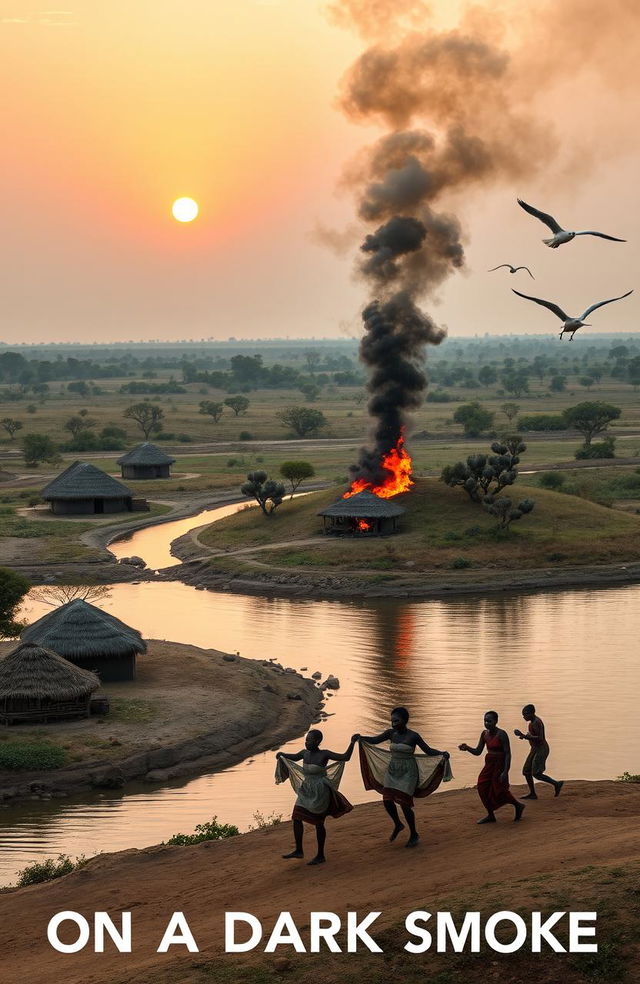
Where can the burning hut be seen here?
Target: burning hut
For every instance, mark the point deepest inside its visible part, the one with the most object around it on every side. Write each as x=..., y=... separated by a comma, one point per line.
x=146, y=461
x=83, y=489
x=90, y=639
x=362, y=514
x=37, y=685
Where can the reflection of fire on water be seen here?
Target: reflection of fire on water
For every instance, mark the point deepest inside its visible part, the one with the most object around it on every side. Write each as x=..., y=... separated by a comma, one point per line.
x=397, y=465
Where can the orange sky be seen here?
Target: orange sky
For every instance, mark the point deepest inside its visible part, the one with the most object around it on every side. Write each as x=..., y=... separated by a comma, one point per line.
x=111, y=110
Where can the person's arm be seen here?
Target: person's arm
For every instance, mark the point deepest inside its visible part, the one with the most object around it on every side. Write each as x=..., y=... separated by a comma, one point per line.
x=519, y=734
x=374, y=739
x=341, y=756
x=421, y=743
x=473, y=751
x=294, y=757
x=506, y=748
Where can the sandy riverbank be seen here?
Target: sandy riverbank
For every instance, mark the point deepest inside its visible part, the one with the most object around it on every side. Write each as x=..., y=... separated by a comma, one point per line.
x=578, y=852
x=189, y=710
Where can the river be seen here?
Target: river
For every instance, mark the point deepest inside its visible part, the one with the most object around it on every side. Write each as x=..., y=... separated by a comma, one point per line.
x=572, y=652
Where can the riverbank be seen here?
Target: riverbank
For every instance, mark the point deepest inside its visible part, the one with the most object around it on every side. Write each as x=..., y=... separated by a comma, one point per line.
x=188, y=711
x=590, y=862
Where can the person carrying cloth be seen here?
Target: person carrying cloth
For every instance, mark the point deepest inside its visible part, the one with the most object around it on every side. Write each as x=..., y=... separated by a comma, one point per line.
x=316, y=783
x=399, y=774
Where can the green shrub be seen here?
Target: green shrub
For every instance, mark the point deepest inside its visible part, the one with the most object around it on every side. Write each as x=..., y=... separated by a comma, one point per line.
x=43, y=871
x=628, y=777
x=552, y=480
x=602, y=449
x=184, y=438
x=212, y=830
x=245, y=436
x=460, y=563
x=31, y=755
x=542, y=422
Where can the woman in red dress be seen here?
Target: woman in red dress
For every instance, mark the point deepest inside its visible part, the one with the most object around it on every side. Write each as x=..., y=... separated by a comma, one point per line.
x=493, y=781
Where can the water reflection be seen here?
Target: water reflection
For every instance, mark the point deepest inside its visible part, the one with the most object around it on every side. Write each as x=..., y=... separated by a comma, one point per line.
x=571, y=653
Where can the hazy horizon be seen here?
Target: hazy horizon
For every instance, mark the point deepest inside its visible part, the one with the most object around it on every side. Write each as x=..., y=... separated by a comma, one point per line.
x=113, y=111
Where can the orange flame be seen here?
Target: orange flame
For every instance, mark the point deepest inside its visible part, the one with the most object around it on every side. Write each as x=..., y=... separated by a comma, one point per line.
x=398, y=464
x=363, y=525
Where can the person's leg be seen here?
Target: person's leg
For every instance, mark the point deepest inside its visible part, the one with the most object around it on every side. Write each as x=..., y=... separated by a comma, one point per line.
x=297, y=834
x=557, y=784
x=410, y=817
x=321, y=836
x=527, y=772
x=484, y=792
x=392, y=810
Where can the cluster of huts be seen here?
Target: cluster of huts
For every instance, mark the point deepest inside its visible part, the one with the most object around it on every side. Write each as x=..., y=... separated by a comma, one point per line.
x=61, y=661
x=84, y=489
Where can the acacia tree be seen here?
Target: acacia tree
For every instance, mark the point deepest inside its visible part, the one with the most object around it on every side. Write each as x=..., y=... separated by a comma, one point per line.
x=239, y=404
x=296, y=472
x=60, y=594
x=146, y=415
x=11, y=425
x=510, y=410
x=79, y=422
x=303, y=420
x=268, y=493
x=483, y=474
x=212, y=409
x=590, y=418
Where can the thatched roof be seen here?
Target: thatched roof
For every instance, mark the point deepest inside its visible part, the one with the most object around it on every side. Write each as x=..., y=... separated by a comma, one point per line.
x=363, y=505
x=33, y=672
x=78, y=630
x=84, y=481
x=146, y=454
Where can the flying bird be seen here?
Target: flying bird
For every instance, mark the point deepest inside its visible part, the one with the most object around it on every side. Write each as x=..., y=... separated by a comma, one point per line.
x=512, y=269
x=560, y=235
x=570, y=324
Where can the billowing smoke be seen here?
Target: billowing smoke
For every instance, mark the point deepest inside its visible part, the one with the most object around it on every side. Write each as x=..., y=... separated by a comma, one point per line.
x=461, y=111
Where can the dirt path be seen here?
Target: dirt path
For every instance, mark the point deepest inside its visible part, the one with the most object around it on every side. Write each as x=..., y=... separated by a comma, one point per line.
x=591, y=824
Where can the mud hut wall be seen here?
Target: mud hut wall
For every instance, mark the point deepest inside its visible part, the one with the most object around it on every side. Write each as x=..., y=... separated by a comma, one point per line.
x=110, y=669
x=141, y=472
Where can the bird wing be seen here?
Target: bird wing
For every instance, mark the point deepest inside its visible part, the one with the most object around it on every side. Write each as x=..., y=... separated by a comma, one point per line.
x=602, y=303
x=499, y=267
x=548, y=304
x=543, y=216
x=527, y=269
x=590, y=232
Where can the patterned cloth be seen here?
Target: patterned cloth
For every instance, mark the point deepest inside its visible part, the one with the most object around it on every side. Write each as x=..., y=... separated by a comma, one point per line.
x=317, y=788
x=400, y=774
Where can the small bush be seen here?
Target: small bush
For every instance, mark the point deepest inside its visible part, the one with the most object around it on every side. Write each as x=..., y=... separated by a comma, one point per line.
x=452, y=535
x=212, y=830
x=31, y=755
x=164, y=436
x=184, y=438
x=556, y=556
x=460, y=563
x=263, y=822
x=602, y=449
x=552, y=480
x=473, y=531
x=542, y=422
x=628, y=777
x=245, y=436
x=439, y=396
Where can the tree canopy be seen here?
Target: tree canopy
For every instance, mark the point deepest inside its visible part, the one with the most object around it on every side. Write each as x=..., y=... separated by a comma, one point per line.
x=591, y=417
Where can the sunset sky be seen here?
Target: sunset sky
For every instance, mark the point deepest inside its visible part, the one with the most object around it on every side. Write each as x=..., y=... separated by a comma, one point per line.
x=112, y=109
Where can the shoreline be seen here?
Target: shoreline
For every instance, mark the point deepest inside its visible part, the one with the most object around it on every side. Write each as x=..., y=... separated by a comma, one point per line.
x=282, y=704
x=591, y=853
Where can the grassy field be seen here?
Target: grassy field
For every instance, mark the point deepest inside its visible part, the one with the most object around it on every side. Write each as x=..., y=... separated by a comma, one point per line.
x=343, y=406
x=442, y=529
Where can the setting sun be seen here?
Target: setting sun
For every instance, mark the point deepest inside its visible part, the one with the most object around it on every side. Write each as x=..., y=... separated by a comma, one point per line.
x=184, y=209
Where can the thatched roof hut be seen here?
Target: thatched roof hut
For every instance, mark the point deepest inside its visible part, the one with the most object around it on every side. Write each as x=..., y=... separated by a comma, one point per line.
x=90, y=638
x=37, y=684
x=364, y=514
x=82, y=488
x=146, y=461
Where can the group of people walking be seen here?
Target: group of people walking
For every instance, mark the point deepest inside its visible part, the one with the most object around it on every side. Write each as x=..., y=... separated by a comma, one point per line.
x=400, y=773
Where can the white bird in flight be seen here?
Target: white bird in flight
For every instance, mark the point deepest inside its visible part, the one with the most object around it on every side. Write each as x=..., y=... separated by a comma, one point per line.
x=512, y=269
x=560, y=235
x=570, y=324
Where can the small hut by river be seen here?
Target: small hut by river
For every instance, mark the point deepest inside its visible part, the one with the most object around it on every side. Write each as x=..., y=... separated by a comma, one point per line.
x=146, y=461
x=83, y=489
x=37, y=685
x=363, y=514
x=90, y=638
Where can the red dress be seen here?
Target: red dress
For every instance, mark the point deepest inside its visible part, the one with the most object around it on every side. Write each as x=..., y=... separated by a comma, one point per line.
x=492, y=792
